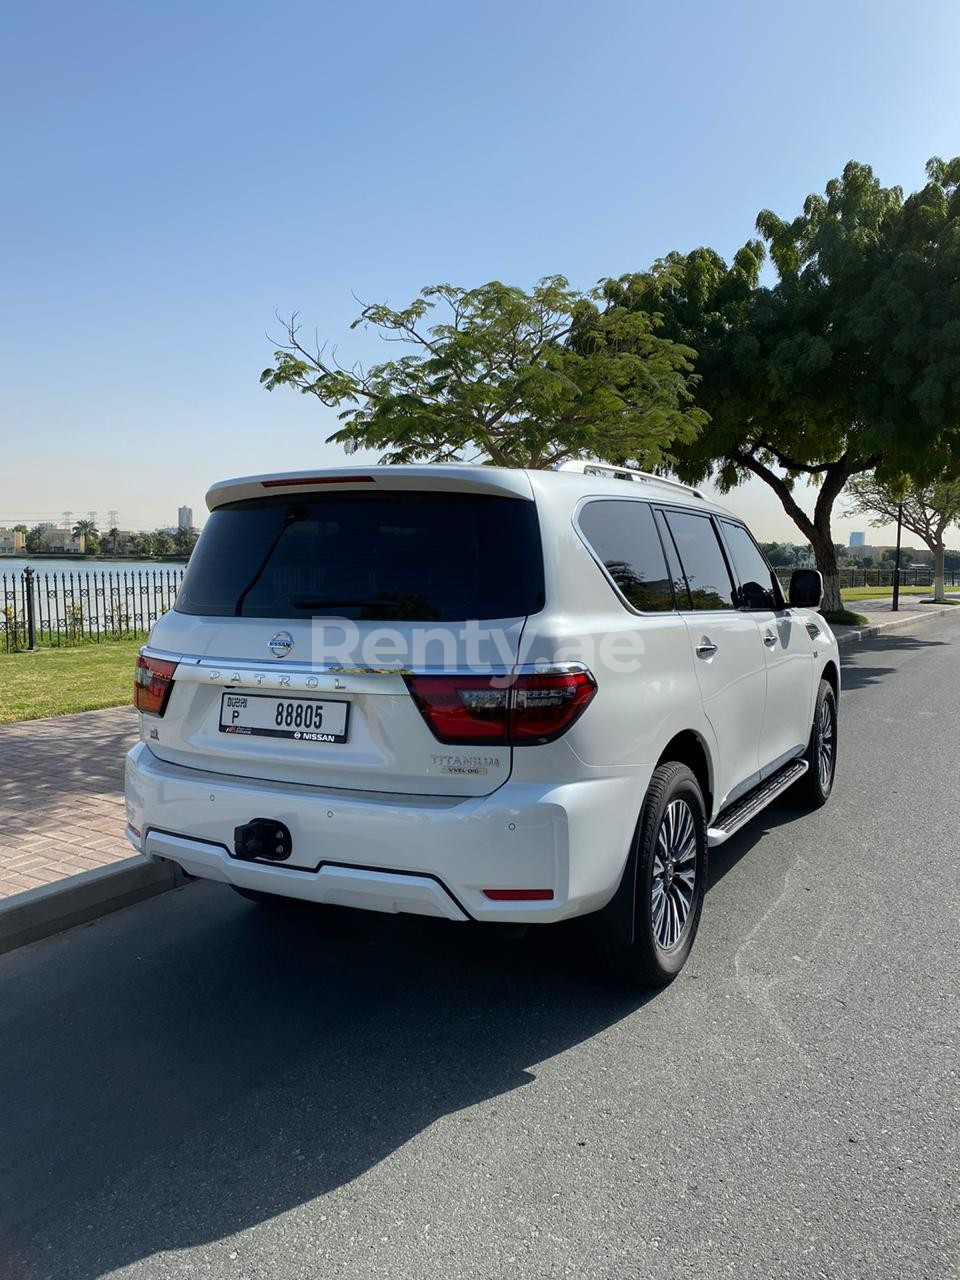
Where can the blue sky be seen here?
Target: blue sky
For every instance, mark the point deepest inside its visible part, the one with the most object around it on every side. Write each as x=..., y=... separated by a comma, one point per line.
x=173, y=174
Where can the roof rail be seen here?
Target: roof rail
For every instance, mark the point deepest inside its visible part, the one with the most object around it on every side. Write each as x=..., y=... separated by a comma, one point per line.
x=623, y=473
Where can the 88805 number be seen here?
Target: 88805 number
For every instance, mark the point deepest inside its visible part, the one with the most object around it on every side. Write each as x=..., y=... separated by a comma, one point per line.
x=298, y=715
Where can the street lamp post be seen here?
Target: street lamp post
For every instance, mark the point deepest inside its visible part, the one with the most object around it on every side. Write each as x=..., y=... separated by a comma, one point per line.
x=896, y=568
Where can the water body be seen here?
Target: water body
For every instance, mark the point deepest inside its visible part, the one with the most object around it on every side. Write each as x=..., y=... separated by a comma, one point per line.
x=70, y=564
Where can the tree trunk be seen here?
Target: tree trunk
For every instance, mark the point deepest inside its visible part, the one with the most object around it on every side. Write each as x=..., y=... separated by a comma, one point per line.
x=939, y=586
x=834, y=476
x=826, y=556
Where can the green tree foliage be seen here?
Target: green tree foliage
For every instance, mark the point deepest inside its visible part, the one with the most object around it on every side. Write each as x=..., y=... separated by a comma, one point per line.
x=34, y=539
x=850, y=362
x=928, y=510
x=184, y=540
x=494, y=375
x=88, y=531
x=160, y=543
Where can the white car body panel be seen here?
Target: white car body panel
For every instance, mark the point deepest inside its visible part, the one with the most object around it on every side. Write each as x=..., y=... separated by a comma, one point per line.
x=395, y=820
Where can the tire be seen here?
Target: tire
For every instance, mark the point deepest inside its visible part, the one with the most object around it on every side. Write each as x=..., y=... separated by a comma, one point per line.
x=814, y=788
x=673, y=821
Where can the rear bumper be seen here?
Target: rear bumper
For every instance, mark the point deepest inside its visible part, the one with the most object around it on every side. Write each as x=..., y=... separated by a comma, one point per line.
x=422, y=854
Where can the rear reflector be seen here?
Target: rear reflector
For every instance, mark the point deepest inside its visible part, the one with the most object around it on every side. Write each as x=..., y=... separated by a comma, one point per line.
x=519, y=895
x=479, y=710
x=152, y=683
x=315, y=480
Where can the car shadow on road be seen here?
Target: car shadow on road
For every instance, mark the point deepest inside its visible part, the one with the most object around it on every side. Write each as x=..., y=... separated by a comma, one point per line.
x=856, y=674
x=240, y=1062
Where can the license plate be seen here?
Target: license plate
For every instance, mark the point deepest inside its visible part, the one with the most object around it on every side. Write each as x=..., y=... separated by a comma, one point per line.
x=304, y=719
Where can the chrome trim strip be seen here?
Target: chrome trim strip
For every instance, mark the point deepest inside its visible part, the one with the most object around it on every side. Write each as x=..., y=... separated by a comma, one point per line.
x=238, y=669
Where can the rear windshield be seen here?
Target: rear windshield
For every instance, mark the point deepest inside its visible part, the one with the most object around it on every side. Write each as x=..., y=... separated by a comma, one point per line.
x=419, y=557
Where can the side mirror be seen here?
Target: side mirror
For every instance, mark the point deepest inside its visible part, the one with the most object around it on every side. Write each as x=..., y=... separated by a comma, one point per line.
x=806, y=589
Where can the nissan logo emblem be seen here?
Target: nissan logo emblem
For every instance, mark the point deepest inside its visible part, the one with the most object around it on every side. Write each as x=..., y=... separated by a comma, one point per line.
x=280, y=644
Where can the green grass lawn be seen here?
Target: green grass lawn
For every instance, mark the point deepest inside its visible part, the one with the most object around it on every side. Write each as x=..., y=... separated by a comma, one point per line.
x=878, y=593
x=53, y=682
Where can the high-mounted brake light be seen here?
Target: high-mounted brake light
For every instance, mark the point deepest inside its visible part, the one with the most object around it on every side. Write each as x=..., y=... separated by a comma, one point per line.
x=482, y=710
x=314, y=480
x=152, y=683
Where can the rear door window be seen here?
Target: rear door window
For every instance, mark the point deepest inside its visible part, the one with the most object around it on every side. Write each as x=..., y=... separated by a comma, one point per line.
x=757, y=587
x=623, y=536
x=412, y=556
x=702, y=560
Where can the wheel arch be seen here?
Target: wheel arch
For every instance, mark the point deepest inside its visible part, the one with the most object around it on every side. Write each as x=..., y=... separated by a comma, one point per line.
x=831, y=674
x=616, y=920
x=687, y=747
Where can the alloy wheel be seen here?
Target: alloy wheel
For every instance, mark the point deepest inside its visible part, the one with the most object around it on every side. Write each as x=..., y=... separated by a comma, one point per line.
x=825, y=743
x=674, y=874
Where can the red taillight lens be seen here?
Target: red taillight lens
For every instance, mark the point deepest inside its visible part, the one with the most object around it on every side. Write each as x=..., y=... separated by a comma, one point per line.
x=544, y=707
x=475, y=710
x=152, y=684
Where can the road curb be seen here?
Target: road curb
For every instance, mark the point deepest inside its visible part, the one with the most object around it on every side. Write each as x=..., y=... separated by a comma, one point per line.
x=51, y=908
x=856, y=634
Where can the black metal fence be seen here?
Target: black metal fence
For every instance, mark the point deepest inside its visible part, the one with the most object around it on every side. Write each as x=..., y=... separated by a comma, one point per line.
x=922, y=576
x=82, y=607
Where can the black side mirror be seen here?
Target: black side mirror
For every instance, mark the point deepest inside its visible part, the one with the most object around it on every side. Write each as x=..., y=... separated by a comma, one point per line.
x=806, y=589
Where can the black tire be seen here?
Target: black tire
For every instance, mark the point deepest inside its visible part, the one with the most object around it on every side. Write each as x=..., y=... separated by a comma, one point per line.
x=814, y=788
x=656, y=956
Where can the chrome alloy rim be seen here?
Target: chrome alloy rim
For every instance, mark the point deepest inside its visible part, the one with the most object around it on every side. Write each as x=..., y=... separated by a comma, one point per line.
x=825, y=743
x=674, y=874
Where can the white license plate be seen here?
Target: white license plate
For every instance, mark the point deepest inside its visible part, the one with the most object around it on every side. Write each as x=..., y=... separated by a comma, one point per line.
x=304, y=719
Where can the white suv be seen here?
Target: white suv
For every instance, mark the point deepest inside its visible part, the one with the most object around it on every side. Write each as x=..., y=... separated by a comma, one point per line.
x=480, y=694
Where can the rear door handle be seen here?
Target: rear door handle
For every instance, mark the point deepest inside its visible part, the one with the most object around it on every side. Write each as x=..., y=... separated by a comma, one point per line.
x=706, y=648
x=769, y=639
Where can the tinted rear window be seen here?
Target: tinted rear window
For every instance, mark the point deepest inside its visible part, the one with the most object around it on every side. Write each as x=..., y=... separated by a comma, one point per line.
x=625, y=540
x=419, y=557
x=702, y=559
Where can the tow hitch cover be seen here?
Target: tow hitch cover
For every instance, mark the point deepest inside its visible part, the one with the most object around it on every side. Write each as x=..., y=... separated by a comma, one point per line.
x=262, y=838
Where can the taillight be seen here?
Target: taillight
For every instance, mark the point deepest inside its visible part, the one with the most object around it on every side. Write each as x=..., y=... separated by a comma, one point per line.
x=152, y=684
x=531, y=709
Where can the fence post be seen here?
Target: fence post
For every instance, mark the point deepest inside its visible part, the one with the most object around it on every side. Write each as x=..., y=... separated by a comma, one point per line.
x=31, y=610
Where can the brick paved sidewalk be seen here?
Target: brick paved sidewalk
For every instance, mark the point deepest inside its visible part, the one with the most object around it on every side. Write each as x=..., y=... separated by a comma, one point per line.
x=61, y=796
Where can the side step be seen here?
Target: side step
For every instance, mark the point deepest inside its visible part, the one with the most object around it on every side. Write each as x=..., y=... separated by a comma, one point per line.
x=738, y=814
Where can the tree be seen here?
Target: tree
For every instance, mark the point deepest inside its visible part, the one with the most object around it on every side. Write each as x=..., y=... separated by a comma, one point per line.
x=184, y=540
x=850, y=362
x=497, y=377
x=160, y=543
x=34, y=539
x=928, y=511
x=778, y=553
x=114, y=535
x=88, y=532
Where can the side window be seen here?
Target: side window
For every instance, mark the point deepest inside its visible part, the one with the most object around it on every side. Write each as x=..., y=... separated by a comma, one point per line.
x=702, y=559
x=624, y=538
x=757, y=589
x=680, y=591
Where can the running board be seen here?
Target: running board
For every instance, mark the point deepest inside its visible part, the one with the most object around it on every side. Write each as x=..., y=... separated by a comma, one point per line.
x=738, y=814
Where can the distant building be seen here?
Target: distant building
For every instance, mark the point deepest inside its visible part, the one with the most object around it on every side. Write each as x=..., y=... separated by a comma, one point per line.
x=62, y=540
x=858, y=539
x=185, y=518
x=12, y=541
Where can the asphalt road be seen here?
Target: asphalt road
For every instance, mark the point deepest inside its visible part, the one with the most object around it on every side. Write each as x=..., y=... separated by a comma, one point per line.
x=191, y=1088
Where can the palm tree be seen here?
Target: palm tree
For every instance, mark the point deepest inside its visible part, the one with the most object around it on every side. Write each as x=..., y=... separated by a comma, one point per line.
x=87, y=532
x=113, y=533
